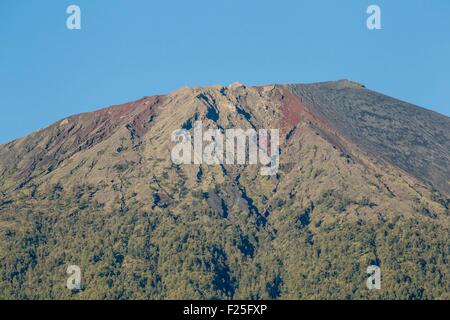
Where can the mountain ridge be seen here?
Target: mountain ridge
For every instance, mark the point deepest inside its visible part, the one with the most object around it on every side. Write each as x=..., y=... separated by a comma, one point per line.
x=439, y=180
x=360, y=174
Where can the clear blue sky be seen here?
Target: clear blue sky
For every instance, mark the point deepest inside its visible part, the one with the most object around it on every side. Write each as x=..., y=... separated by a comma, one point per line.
x=130, y=49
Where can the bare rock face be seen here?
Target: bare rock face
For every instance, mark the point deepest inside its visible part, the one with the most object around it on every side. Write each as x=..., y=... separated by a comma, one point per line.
x=414, y=139
x=363, y=179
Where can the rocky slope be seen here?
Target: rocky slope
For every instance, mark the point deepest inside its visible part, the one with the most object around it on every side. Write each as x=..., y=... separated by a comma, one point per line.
x=363, y=179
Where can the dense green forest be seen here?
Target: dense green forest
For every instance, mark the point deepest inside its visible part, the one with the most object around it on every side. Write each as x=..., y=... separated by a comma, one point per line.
x=135, y=253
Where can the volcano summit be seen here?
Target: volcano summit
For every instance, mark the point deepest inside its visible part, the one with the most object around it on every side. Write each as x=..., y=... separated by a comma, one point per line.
x=362, y=179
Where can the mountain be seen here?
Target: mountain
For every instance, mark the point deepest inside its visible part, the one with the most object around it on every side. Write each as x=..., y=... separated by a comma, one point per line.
x=363, y=179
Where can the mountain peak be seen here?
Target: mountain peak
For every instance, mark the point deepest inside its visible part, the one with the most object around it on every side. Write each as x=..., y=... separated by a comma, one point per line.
x=235, y=85
x=358, y=171
x=350, y=83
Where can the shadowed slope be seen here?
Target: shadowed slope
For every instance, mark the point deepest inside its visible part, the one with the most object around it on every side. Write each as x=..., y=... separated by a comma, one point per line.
x=415, y=139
